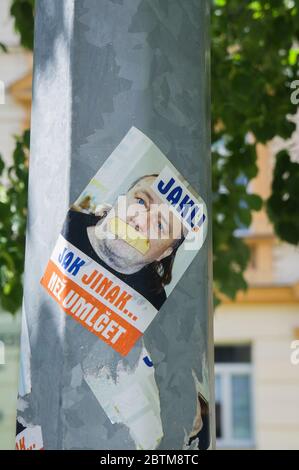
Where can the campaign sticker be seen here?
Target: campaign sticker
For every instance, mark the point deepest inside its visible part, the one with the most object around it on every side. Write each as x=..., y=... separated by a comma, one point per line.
x=125, y=243
x=30, y=439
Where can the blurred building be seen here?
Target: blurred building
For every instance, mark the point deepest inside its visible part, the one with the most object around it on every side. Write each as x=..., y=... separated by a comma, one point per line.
x=257, y=388
x=15, y=75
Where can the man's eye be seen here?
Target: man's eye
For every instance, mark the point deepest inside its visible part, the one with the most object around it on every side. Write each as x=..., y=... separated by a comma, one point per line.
x=140, y=201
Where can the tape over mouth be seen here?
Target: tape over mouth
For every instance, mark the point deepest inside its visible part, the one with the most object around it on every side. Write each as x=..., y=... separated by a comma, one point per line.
x=128, y=234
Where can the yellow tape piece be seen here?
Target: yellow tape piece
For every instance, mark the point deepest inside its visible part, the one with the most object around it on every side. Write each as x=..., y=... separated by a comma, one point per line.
x=127, y=233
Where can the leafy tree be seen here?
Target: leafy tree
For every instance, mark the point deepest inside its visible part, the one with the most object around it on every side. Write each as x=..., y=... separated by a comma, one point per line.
x=254, y=62
x=13, y=212
x=22, y=12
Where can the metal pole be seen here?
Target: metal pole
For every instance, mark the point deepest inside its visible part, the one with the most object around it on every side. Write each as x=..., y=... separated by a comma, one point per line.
x=127, y=79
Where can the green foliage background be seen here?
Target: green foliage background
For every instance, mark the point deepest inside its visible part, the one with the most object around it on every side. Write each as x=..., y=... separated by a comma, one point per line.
x=254, y=61
x=13, y=212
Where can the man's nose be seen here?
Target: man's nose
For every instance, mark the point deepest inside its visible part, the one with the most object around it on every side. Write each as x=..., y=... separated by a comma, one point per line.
x=139, y=222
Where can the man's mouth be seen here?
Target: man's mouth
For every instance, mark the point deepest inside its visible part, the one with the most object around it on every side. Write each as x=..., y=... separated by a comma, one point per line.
x=127, y=233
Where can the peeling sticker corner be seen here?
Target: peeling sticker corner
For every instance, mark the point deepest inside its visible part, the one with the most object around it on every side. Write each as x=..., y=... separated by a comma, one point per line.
x=132, y=399
x=29, y=438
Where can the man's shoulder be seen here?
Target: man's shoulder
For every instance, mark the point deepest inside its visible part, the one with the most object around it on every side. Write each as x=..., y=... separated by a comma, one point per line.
x=162, y=298
x=155, y=295
x=74, y=225
x=74, y=218
x=157, y=299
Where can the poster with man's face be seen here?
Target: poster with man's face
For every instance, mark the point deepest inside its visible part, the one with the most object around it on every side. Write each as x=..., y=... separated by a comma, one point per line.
x=125, y=243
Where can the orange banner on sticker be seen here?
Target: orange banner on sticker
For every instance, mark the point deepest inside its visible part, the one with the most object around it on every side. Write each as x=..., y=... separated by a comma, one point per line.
x=92, y=314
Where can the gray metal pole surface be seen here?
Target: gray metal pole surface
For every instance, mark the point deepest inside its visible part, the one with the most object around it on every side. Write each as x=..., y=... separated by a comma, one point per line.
x=124, y=84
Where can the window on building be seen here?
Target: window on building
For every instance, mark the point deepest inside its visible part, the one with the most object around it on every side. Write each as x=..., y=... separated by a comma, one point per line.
x=234, y=403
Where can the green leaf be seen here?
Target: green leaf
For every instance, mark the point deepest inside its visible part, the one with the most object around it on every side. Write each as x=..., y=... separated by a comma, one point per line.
x=283, y=205
x=254, y=201
x=3, y=47
x=13, y=211
x=23, y=13
x=2, y=165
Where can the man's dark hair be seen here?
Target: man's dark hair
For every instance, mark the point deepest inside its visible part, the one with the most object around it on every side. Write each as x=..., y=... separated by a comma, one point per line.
x=161, y=270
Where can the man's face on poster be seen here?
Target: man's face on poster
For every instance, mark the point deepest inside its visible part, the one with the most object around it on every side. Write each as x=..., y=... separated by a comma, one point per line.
x=146, y=220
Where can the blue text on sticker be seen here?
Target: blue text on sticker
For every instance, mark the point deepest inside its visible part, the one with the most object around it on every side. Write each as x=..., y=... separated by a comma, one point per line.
x=69, y=262
x=173, y=191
